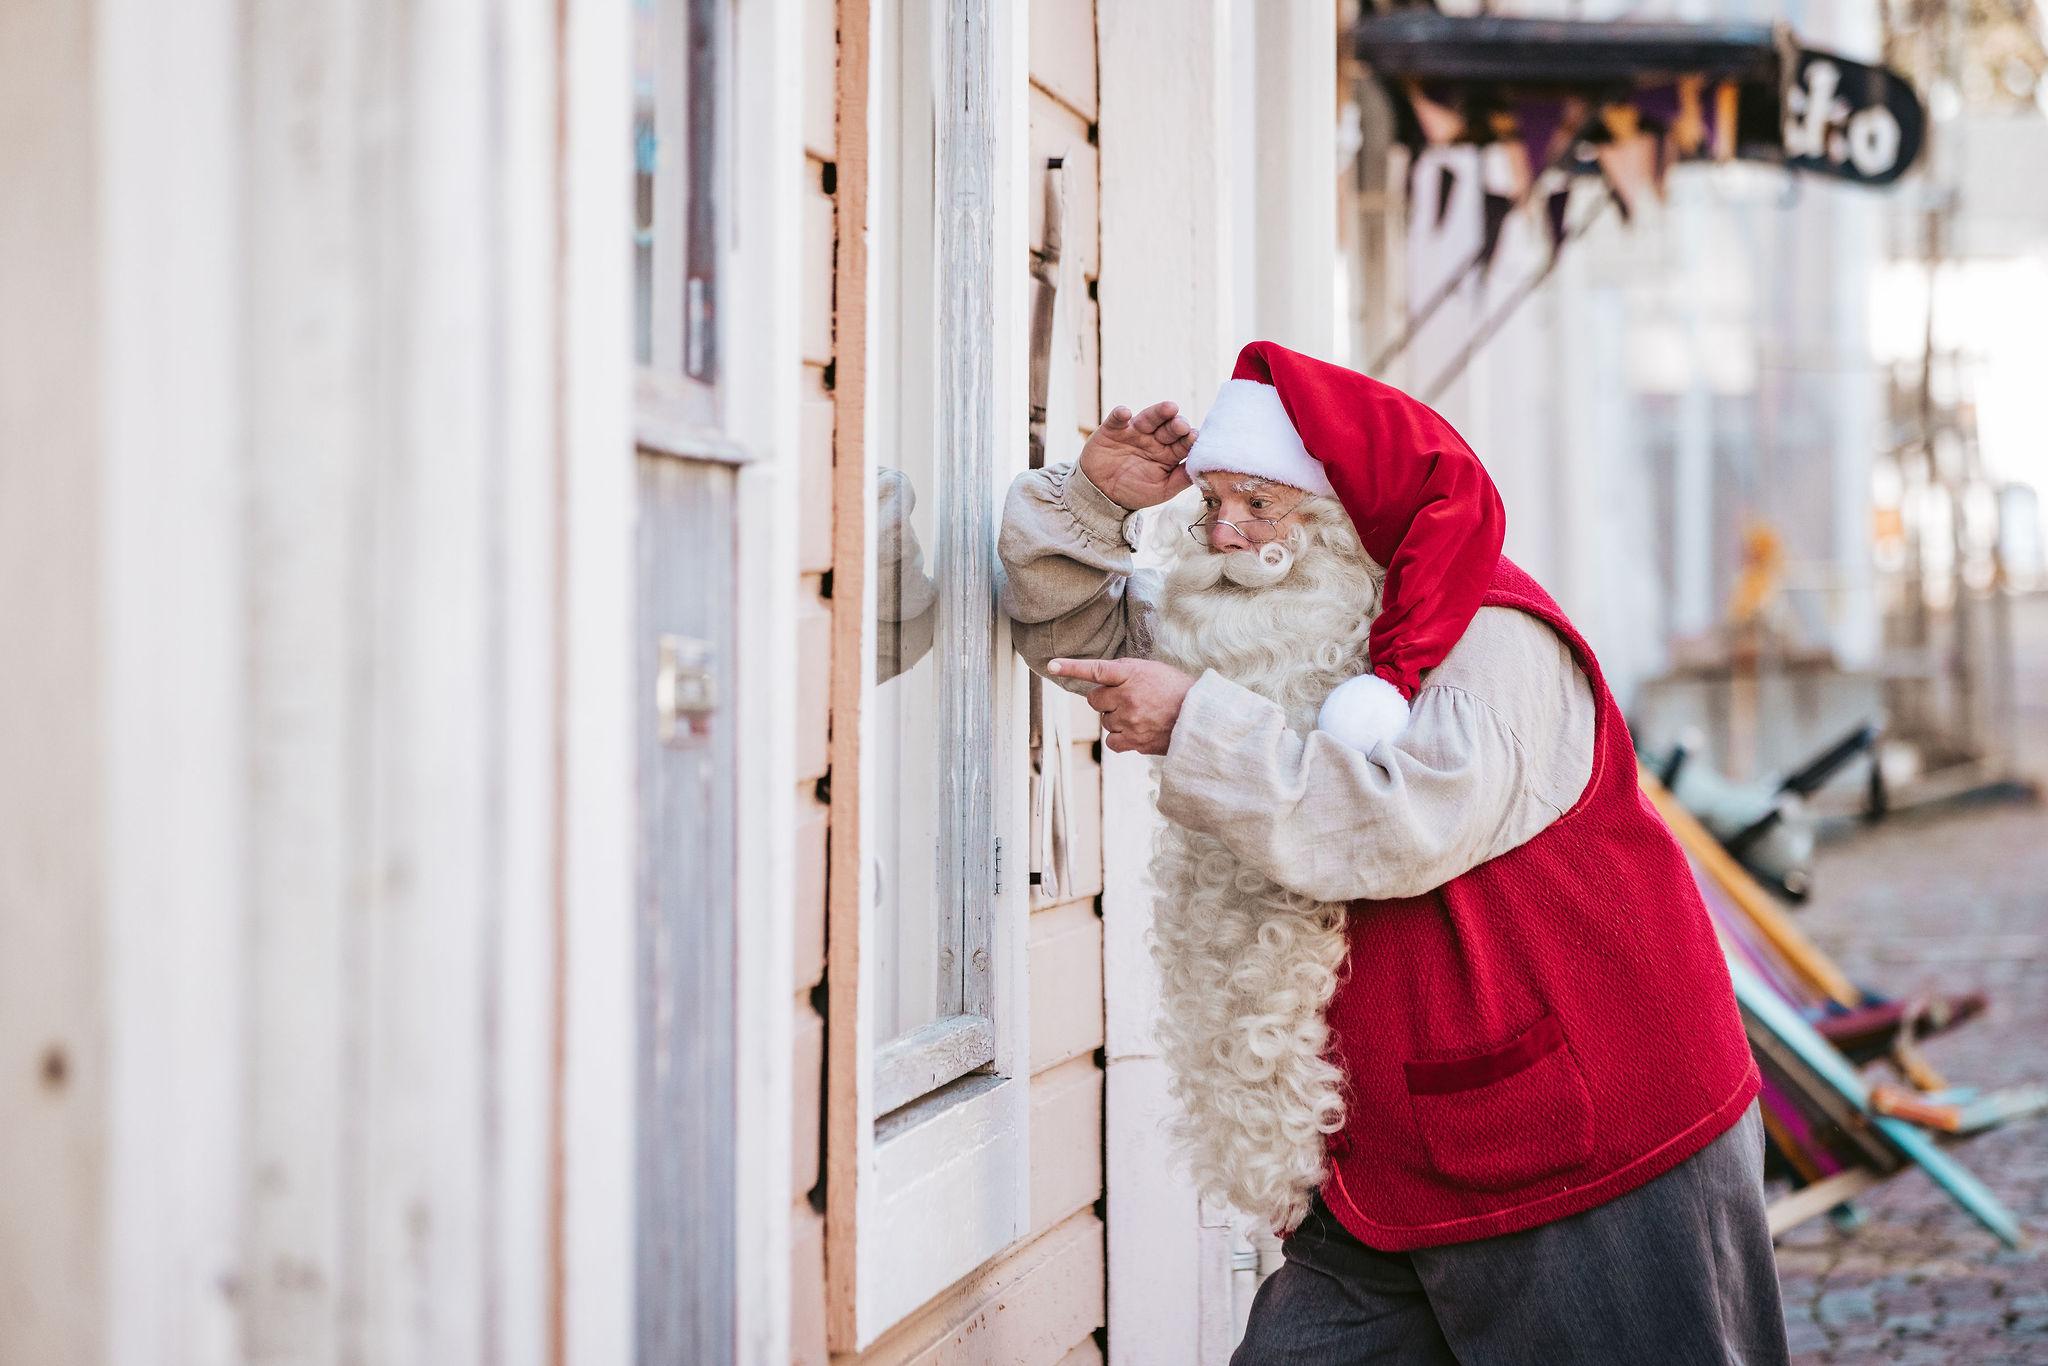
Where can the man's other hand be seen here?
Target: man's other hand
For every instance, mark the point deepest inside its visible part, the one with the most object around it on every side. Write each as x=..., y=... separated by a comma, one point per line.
x=1136, y=461
x=1139, y=699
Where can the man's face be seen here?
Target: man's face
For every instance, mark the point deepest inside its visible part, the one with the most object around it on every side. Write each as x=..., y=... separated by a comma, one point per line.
x=1240, y=512
x=1287, y=616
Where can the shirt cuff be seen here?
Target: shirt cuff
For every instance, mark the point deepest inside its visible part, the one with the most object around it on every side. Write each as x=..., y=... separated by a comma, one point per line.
x=1204, y=757
x=1095, y=512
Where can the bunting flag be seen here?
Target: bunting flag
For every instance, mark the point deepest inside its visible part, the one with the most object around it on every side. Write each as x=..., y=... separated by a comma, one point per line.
x=1441, y=125
x=1689, y=128
x=1504, y=163
x=1553, y=211
x=1498, y=207
x=1509, y=112
x=1628, y=157
x=1505, y=180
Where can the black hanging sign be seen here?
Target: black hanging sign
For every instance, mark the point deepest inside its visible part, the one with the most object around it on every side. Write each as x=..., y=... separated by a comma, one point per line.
x=1851, y=121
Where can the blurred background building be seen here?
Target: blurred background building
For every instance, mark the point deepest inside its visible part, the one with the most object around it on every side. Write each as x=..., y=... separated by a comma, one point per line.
x=521, y=835
x=1784, y=482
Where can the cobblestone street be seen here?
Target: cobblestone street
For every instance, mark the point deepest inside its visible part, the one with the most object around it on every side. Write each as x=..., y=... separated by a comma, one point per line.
x=1951, y=902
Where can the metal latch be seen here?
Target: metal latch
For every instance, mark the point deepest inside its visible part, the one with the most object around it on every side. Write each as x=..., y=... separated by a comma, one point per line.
x=685, y=692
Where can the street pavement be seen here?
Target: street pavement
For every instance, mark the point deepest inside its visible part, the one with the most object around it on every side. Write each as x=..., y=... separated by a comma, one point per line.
x=1949, y=902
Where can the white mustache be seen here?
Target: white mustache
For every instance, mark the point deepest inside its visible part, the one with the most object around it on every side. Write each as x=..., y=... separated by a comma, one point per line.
x=1270, y=564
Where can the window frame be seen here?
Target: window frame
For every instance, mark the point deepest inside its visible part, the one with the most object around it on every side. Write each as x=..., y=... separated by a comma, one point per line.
x=680, y=378
x=960, y=1039
x=927, y=1162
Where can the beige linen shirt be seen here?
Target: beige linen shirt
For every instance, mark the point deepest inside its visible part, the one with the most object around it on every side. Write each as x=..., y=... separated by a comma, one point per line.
x=1499, y=743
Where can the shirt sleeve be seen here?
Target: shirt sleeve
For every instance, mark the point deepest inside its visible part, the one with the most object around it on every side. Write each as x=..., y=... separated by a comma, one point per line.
x=906, y=599
x=1069, y=583
x=1499, y=744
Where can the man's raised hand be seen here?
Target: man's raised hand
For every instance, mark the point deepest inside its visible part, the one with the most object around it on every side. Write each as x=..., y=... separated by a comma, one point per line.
x=1139, y=699
x=1136, y=461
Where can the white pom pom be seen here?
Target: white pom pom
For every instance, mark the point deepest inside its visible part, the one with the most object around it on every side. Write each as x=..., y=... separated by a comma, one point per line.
x=1364, y=711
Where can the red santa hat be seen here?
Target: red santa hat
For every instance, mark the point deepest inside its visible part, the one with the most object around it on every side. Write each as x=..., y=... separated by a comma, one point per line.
x=1419, y=498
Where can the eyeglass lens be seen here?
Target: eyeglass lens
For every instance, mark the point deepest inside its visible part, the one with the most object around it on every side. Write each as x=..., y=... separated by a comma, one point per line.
x=1258, y=531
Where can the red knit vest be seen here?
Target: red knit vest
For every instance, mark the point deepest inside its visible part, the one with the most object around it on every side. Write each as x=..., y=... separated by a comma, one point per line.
x=1540, y=1034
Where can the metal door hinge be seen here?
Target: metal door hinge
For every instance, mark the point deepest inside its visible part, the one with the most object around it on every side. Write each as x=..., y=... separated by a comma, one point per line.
x=999, y=867
x=685, y=691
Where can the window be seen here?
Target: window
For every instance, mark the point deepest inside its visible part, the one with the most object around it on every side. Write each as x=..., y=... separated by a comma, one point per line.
x=932, y=841
x=676, y=47
x=928, y=1113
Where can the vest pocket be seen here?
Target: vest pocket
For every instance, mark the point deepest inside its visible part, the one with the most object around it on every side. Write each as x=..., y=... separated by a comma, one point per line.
x=1506, y=1118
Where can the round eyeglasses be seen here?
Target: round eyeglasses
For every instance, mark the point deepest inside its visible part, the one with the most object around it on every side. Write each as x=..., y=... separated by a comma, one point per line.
x=1257, y=530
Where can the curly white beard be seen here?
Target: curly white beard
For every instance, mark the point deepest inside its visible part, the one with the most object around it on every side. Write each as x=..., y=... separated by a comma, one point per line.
x=1247, y=966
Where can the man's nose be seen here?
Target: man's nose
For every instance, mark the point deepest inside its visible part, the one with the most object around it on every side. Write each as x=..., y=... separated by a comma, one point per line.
x=1224, y=536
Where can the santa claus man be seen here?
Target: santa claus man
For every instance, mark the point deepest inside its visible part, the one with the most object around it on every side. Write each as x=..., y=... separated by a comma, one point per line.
x=1439, y=999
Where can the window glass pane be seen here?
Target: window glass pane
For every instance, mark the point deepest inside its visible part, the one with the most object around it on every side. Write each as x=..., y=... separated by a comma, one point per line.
x=676, y=46
x=918, y=927
x=660, y=185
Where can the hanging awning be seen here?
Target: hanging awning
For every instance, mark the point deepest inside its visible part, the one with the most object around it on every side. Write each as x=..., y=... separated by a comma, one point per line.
x=1572, y=53
x=1701, y=91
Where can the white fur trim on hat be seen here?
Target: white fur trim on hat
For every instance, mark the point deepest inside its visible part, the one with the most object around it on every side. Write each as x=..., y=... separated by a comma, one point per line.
x=1364, y=711
x=1247, y=432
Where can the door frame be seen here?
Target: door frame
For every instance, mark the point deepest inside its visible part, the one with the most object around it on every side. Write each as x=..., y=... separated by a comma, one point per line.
x=758, y=435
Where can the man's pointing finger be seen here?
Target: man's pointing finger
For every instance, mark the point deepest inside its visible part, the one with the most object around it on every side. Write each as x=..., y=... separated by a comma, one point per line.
x=1110, y=671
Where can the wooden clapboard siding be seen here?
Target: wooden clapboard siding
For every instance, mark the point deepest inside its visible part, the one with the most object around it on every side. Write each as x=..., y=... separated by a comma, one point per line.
x=1088, y=371
x=813, y=830
x=1084, y=725
x=807, y=1286
x=814, y=477
x=1057, y=130
x=1059, y=1308
x=821, y=63
x=1085, y=863
x=1063, y=53
x=818, y=256
x=1065, y=936
x=813, y=688
x=1030, y=1307
x=1066, y=985
x=808, y=1047
x=1066, y=1140
x=814, y=513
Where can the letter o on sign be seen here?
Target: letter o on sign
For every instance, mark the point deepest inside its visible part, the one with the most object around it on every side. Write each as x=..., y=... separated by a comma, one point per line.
x=1873, y=140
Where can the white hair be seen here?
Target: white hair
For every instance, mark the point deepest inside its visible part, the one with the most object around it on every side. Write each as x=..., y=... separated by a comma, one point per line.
x=1247, y=967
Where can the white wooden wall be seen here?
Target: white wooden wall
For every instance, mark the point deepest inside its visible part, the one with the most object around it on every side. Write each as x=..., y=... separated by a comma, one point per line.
x=1166, y=333
x=53, y=1087
x=1219, y=227
x=316, y=853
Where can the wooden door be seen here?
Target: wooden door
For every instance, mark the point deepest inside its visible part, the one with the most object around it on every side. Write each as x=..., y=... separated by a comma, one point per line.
x=686, y=546
x=686, y=969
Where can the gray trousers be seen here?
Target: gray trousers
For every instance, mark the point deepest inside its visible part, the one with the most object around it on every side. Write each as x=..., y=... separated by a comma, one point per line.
x=1676, y=1272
